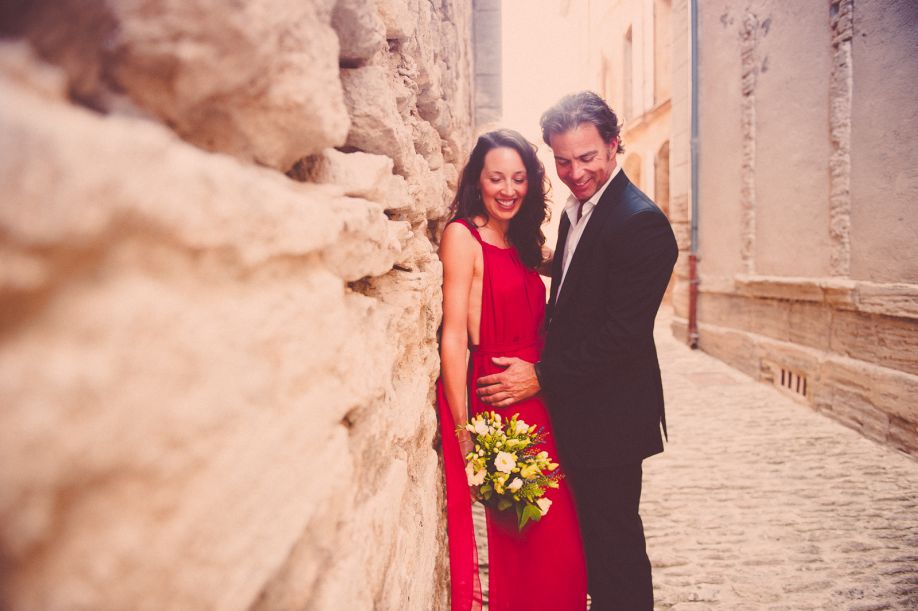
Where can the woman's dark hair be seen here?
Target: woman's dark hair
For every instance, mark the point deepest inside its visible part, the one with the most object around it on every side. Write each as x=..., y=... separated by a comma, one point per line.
x=584, y=107
x=525, y=231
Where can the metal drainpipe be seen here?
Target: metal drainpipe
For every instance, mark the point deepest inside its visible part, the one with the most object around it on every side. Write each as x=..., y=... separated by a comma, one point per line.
x=693, y=253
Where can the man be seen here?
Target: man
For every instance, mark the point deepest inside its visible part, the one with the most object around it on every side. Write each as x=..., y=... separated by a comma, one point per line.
x=599, y=368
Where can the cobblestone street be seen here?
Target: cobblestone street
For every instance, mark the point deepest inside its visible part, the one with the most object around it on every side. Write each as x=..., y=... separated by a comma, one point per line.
x=761, y=503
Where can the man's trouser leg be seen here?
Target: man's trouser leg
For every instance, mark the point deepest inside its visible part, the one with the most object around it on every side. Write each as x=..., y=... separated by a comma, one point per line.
x=613, y=537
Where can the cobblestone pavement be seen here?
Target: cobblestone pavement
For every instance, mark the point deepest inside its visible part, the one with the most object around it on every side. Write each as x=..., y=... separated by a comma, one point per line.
x=761, y=503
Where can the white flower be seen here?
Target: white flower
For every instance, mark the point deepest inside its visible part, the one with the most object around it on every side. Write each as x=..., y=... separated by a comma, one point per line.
x=521, y=427
x=515, y=485
x=481, y=427
x=504, y=461
x=475, y=479
x=469, y=427
x=543, y=504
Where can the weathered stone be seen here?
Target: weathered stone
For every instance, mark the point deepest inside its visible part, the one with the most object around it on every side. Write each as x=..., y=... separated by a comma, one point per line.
x=738, y=349
x=360, y=175
x=181, y=343
x=400, y=17
x=259, y=81
x=361, y=32
x=19, y=65
x=186, y=337
x=883, y=340
x=376, y=125
x=898, y=299
x=427, y=144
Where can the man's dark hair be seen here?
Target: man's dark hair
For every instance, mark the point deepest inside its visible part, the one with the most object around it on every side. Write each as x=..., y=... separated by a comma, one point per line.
x=583, y=107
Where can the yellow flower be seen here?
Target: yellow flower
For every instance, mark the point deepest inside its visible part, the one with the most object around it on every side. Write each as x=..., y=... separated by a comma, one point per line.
x=529, y=471
x=543, y=505
x=499, y=480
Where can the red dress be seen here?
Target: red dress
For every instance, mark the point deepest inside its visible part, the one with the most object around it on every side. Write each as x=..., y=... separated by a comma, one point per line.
x=541, y=568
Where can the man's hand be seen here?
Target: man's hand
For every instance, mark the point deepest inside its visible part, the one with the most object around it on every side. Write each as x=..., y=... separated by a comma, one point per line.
x=515, y=383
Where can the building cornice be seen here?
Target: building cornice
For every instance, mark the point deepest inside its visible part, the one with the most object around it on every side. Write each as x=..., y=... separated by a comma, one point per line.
x=897, y=299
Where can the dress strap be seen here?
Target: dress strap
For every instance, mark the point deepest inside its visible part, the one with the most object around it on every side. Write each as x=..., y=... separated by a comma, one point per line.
x=471, y=227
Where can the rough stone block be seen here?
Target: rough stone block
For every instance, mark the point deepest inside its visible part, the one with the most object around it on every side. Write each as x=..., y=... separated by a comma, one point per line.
x=737, y=349
x=884, y=340
x=186, y=353
x=400, y=17
x=376, y=125
x=361, y=32
x=360, y=175
x=259, y=82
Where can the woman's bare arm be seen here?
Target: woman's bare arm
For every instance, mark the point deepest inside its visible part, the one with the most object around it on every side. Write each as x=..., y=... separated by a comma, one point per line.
x=458, y=252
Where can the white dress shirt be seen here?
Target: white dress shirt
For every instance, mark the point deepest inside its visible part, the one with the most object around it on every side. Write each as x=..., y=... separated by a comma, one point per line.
x=577, y=227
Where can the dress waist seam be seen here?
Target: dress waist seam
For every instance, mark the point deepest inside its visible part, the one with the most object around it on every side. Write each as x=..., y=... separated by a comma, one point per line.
x=500, y=349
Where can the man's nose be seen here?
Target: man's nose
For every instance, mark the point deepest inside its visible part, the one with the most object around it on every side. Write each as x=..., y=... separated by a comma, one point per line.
x=576, y=171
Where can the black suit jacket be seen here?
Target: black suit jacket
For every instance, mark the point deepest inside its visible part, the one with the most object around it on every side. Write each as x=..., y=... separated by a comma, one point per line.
x=599, y=365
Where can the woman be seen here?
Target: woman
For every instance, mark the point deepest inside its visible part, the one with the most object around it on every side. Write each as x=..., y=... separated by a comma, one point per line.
x=493, y=304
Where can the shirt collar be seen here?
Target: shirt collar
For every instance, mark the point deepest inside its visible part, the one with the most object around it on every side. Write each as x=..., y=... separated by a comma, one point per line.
x=572, y=202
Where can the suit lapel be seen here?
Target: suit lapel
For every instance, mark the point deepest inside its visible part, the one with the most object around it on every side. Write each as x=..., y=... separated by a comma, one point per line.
x=557, y=263
x=600, y=214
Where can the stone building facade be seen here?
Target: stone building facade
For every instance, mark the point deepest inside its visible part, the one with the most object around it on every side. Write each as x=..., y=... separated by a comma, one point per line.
x=220, y=300
x=631, y=61
x=807, y=178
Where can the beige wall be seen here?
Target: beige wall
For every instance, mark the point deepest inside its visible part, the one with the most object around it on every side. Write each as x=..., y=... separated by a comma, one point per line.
x=884, y=172
x=791, y=140
x=216, y=373
x=806, y=187
x=720, y=177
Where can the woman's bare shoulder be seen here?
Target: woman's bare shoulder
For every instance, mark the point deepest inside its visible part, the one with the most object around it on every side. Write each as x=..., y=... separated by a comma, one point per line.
x=457, y=236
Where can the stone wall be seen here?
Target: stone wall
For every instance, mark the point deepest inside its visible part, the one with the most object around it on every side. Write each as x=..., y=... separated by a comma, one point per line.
x=807, y=256
x=219, y=301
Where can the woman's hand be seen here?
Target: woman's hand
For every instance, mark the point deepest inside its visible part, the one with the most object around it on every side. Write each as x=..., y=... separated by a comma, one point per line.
x=548, y=257
x=466, y=444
